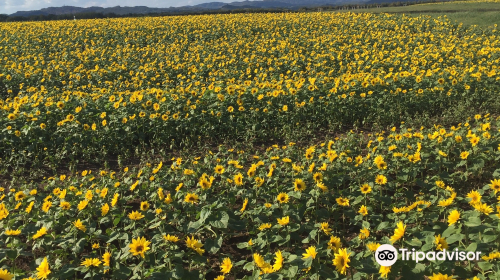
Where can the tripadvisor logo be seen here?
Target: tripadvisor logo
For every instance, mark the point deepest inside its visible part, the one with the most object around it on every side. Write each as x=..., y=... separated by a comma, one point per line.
x=387, y=255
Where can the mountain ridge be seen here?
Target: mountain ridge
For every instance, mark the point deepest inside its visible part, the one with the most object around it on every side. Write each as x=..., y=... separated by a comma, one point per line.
x=209, y=6
x=119, y=10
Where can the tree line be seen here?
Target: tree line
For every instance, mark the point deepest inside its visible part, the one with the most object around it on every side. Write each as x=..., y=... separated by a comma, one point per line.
x=98, y=15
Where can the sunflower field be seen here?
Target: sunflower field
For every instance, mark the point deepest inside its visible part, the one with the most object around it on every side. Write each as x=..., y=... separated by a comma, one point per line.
x=74, y=94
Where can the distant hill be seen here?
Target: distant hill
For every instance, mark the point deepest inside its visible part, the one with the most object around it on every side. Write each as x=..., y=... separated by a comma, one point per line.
x=210, y=6
x=118, y=10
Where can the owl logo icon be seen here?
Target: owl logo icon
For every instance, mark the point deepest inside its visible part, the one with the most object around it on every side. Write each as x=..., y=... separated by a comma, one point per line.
x=386, y=255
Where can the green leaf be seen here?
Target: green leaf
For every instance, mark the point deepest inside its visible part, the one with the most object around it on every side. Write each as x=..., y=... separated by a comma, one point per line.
x=419, y=268
x=11, y=254
x=449, y=231
x=366, y=224
x=205, y=212
x=292, y=271
x=471, y=247
x=427, y=247
x=485, y=266
x=79, y=246
x=415, y=242
x=487, y=238
x=454, y=238
x=222, y=222
x=242, y=245
x=382, y=226
x=193, y=226
x=473, y=222
x=308, y=261
x=249, y=266
x=178, y=272
x=240, y=263
x=122, y=272
x=213, y=246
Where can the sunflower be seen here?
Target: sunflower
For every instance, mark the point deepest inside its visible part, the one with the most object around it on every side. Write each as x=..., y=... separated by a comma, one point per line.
x=195, y=245
x=364, y=233
x=342, y=201
x=104, y=209
x=378, y=159
x=440, y=243
x=278, y=261
x=238, y=179
x=380, y=180
x=334, y=244
x=322, y=186
x=398, y=232
x=365, y=189
x=363, y=210
x=474, y=140
x=495, y=185
x=299, y=185
x=310, y=252
x=115, y=199
x=453, y=217
x=20, y=195
x=65, y=205
x=91, y=262
x=144, y=206
x=82, y=204
x=226, y=266
x=372, y=246
x=11, y=232
x=440, y=276
x=382, y=165
x=384, y=270
x=139, y=246
x=283, y=198
x=191, y=198
x=245, y=202
x=264, y=226
x=79, y=225
x=43, y=270
x=46, y=206
x=474, y=196
x=171, y=238
x=5, y=275
x=284, y=221
x=341, y=261
x=325, y=227
x=219, y=169
x=464, y=155
x=318, y=177
x=262, y=264
x=135, y=215
x=28, y=209
x=483, y=208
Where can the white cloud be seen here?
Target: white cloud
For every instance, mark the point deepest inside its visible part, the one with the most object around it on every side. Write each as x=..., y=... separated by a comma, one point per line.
x=12, y=6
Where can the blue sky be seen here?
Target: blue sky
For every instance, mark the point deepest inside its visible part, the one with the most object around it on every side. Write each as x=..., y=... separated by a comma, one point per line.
x=12, y=6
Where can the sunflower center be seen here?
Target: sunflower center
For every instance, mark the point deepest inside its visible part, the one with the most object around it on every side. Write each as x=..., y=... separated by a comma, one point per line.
x=140, y=248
